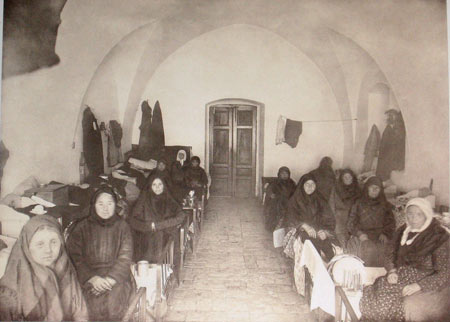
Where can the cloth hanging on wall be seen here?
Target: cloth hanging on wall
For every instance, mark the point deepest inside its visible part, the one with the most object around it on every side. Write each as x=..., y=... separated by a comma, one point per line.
x=281, y=126
x=145, y=135
x=371, y=148
x=4, y=155
x=157, y=129
x=92, y=143
x=104, y=134
x=392, y=146
x=292, y=132
x=114, y=131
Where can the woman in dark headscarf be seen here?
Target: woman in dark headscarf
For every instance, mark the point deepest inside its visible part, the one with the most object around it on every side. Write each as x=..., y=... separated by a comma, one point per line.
x=162, y=170
x=40, y=283
x=277, y=197
x=371, y=224
x=311, y=215
x=325, y=177
x=195, y=176
x=342, y=198
x=154, y=221
x=417, y=262
x=101, y=248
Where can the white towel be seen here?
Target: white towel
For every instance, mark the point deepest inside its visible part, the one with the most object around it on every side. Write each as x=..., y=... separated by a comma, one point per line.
x=323, y=290
x=281, y=126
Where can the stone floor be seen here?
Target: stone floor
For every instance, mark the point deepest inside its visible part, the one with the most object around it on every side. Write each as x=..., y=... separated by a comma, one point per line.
x=235, y=274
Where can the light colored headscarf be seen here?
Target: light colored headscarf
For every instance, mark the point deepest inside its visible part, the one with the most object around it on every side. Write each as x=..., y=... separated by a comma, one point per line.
x=427, y=210
x=181, y=160
x=42, y=292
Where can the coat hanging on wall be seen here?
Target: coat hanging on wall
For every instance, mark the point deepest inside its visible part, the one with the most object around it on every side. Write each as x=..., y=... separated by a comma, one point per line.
x=371, y=148
x=145, y=135
x=114, y=131
x=392, y=147
x=92, y=143
x=157, y=129
x=4, y=155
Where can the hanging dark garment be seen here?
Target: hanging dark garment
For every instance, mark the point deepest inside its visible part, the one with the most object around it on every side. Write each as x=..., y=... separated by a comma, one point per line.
x=157, y=129
x=145, y=138
x=92, y=143
x=4, y=155
x=392, y=149
x=292, y=132
x=371, y=148
x=114, y=143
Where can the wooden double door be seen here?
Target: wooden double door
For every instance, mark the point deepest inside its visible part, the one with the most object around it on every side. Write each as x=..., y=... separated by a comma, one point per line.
x=232, y=150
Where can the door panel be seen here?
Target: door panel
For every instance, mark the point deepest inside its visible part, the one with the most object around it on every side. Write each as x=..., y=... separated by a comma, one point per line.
x=244, y=147
x=221, y=146
x=233, y=150
x=220, y=149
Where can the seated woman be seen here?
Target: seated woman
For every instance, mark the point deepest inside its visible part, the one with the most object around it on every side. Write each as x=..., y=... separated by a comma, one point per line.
x=195, y=177
x=40, y=283
x=344, y=194
x=179, y=188
x=371, y=224
x=311, y=216
x=277, y=197
x=154, y=222
x=417, y=261
x=101, y=249
x=325, y=177
x=162, y=171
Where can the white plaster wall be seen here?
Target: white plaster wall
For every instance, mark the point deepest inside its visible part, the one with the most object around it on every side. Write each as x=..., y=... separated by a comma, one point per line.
x=242, y=61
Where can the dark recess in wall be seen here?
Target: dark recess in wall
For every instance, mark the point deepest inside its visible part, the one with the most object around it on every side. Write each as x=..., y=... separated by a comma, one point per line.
x=29, y=35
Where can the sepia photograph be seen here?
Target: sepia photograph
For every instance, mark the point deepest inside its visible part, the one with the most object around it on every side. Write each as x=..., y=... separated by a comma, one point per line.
x=224, y=160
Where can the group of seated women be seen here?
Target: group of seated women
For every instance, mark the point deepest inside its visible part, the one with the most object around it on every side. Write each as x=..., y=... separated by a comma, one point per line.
x=88, y=277
x=333, y=211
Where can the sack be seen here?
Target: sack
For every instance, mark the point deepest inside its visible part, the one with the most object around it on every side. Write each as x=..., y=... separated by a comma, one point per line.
x=278, y=237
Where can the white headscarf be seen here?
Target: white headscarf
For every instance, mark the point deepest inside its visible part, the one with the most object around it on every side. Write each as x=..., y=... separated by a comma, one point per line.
x=183, y=158
x=427, y=210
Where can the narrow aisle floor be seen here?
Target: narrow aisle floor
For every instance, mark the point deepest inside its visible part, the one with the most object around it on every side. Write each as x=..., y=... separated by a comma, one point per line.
x=235, y=274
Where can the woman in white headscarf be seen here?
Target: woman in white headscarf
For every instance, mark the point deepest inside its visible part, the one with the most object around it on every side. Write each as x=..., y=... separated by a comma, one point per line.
x=416, y=261
x=179, y=189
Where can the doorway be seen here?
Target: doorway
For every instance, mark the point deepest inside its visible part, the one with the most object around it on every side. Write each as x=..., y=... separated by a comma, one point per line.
x=233, y=148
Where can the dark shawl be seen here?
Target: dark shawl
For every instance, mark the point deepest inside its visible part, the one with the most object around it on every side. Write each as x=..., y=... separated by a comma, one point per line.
x=325, y=177
x=348, y=193
x=161, y=209
x=100, y=246
x=310, y=209
x=195, y=176
x=276, y=208
x=372, y=216
x=43, y=294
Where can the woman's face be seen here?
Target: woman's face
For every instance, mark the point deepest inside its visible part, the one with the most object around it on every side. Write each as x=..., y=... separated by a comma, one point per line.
x=45, y=246
x=415, y=217
x=374, y=191
x=161, y=166
x=181, y=156
x=157, y=186
x=195, y=163
x=347, y=179
x=310, y=187
x=105, y=205
x=284, y=175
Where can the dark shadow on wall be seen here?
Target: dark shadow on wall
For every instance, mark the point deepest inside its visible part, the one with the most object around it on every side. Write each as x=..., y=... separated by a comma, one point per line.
x=29, y=35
